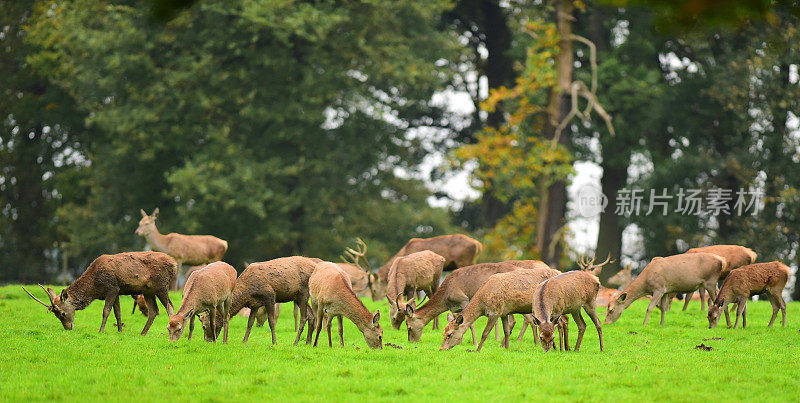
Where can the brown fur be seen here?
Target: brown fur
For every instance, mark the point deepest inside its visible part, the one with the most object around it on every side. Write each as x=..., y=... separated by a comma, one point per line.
x=501, y=295
x=333, y=296
x=419, y=271
x=108, y=277
x=742, y=283
x=458, y=250
x=185, y=249
x=528, y=264
x=663, y=276
x=453, y=295
x=566, y=293
x=606, y=295
x=736, y=256
x=209, y=290
x=623, y=278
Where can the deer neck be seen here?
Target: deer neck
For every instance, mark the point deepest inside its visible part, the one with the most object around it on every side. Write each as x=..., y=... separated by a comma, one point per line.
x=434, y=307
x=395, y=288
x=81, y=293
x=635, y=290
x=472, y=312
x=357, y=313
x=157, y=241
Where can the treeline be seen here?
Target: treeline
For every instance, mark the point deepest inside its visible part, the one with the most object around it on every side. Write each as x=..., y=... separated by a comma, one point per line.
x=289, y=127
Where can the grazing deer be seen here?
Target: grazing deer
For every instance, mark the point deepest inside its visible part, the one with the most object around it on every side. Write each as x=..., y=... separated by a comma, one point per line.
x=108, y=277
x=207, y=290
x=682, y=273
x=185, y=249
x=264, y=284
x=409, y=274
x=333, y=296
x=453, y=295
x=458, y=250
x=742, y=283
x=566, y=293
x=502, y=295
x=736, y=256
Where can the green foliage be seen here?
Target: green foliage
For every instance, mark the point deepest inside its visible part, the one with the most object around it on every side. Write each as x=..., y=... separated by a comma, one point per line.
x=639, y=361
x=274, y=125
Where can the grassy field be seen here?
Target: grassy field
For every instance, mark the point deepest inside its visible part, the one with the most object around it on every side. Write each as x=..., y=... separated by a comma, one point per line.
x=45, y=362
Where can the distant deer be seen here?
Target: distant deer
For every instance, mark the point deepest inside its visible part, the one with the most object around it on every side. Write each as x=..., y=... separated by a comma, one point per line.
x=746, y=281
x=663, y=276
x=566, y=293
x=333, y=296
x=623, y=277
x=192, y=250
x=604, y=295
x=207, y=290
x=458, y=250
x=108, y=277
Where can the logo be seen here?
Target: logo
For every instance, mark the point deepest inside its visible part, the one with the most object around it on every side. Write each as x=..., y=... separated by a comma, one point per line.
x=590, y=201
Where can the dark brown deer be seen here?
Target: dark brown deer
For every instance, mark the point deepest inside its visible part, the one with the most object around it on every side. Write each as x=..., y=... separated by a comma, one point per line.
x=746, y=281
x=193, y=250
x=108, y=277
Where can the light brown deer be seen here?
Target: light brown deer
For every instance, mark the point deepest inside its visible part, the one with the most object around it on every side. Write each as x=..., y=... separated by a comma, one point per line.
x=742, y=283
x=502, y=295
x=458, y=250
x=736, y=256
x=528, y=264
x=333, y=296
x=419, y=271
x=108, y=277
x=566, y=293
x=207, y=290
x=192, y=250
x=682, y=273
x=453, y=295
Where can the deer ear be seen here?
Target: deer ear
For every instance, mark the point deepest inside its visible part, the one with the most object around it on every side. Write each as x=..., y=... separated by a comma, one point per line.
x=155, y=213
x=64, y=295
x=535, y=321
x=450, y=317
x=376, y=318
x=459, y=319
x=622, y=296
x=410, y=310
x=143, y=213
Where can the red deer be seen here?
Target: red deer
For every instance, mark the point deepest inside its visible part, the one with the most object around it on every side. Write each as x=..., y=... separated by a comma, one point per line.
x=333, y=296
x=458, y=250
x=563, y=294
x=604, y=295
x=503, y=294
x=682, y=273
x=453, y=295
x=419, y=271
x=108, y=277
x=207, y=290
x=736, y=256
x=742, y=283
x=193, y=250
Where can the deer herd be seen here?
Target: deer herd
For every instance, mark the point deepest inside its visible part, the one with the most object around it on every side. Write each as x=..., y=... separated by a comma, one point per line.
x=322, y=291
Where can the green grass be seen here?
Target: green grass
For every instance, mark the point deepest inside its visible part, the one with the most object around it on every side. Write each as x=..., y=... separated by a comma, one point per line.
x=43, y=361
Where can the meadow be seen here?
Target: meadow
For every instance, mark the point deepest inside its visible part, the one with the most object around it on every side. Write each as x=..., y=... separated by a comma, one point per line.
x=45, y=362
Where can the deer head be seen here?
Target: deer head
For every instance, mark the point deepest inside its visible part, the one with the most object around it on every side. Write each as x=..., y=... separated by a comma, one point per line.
x=615, y=308
x=148, y=223
x=414, y=324
x=587, y=264
x=403, y=310
x=453, y=332
x=60, y=306
x=373, y=333
x=547, y=332
x=714, y=312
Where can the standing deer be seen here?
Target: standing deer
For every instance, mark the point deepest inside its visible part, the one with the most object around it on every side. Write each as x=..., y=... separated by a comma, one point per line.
x=736, y=256
x=453, y=295
x=502, y=295
x=192, y=250
x=566, y=293
x=108, y=277
x=207, y=290
x=458, y=250
x=742, y=283
x=682, y=273
x=409, y=274
x=333, y=296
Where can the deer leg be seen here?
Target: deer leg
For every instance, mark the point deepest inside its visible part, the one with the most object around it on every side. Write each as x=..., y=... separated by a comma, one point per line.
x=436, y=322
x=311, y=322
x=134, y=305
x=739, y=311
x=581, y=328
x=191, y=327
x=304, y=317
x=318, y=313
x=226, y=315
x=492, y=324
x=687, y=297
x=744, y=316
x=341, y=331
x=118, y=314
x=152, y=311
x=512, y=321
x=524, y=327
x=109, y=302
x=775, y=308
x=656, y=297
x=702, y=292
x=328, y=320
x=497, y=331
x=782, y=303
x=166, y=302
x=472, y=329
x=212, y=316
x=294, y=312
x=250, y=320
x=506, y=329
x=592, y=312
x=663, y=301
x=270, y=306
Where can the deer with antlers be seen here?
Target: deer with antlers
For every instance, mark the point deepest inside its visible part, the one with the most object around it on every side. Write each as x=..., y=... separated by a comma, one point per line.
x=193, y=250
x=604, y=295
x=108, y=277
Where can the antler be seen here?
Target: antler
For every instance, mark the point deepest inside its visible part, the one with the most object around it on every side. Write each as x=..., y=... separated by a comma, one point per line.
x=52, y=302
x=587, y=264
x=356, y=254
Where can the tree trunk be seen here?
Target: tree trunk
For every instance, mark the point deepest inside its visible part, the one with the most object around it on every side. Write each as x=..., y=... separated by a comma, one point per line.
x=609, y=236
x=553, y=199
